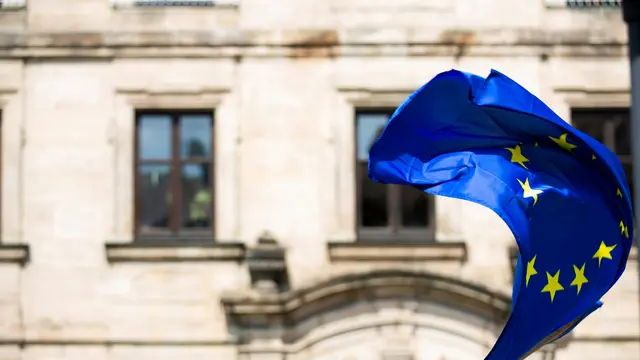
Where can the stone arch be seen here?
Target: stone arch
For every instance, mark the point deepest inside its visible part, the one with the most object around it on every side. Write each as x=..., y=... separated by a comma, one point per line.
x=297, y=323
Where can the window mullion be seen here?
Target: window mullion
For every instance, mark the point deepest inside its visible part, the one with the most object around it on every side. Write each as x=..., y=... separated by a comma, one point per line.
x=609, y=134
x=394, y=208
x=175, y=175
x=358, y=196
x=212, y=179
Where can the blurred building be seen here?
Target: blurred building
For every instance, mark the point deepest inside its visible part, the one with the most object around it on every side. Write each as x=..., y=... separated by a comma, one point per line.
x=187, y=180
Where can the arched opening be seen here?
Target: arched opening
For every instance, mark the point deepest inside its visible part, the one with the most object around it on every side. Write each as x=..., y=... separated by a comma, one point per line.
x=382, y=314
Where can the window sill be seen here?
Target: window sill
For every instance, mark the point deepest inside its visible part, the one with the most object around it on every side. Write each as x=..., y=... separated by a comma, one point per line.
x=14, y=254
x=163, y=251
x=400, y=251
x=10, y=9
x=405, y=236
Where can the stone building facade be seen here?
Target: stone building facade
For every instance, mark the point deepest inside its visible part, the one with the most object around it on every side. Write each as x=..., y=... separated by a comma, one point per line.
x=185, y=182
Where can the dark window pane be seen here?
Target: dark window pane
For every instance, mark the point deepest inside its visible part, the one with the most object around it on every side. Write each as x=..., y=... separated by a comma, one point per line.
x=154, y=137
x=369, y=128
x=414, y=207
x=196, y=196
x=591, y=126
x=628, y=170
x=373, y=200
x=195, y=136
x=154, y=196
x=623, y=134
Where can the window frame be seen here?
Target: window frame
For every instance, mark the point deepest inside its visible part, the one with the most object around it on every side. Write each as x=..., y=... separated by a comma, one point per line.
x=608, y=134
x=174, y=232
x=395, y=230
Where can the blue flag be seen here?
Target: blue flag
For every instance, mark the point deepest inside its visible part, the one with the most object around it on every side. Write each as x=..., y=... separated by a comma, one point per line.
x=563, y=194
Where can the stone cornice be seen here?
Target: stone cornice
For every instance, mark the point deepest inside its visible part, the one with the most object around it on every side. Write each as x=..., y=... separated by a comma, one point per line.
x=302, y=43
x=65, y=341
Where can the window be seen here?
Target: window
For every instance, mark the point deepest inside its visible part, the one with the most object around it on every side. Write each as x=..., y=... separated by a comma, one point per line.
x=612, y=127
x=13, y=4
x=387, y=211
x=174, y=174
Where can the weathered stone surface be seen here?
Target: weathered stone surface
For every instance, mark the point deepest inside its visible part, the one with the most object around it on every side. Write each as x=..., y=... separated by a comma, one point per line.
x=305, y=43
x=283, y=83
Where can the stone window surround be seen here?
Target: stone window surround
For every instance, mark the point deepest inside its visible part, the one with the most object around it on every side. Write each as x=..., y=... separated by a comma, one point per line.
x=344, y=246
x=126, y=249
x=343, y=134
x=12, y=247
x=394, y=195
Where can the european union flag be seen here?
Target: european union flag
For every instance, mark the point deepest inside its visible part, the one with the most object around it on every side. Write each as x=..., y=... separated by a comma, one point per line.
x=562, y=193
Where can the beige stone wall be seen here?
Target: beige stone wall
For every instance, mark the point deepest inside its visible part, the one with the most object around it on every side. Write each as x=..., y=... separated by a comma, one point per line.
x=73, y=72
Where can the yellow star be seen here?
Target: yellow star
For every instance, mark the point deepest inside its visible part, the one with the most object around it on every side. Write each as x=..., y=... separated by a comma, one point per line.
x=528, y=191
x=619, y=193
x=624, y=229
x=593, y=157
x=604, y=252
x=536, y=144
x=562, y=142
x=553, y=285
x=531, y=270
x=517, y=157
x=580, y=278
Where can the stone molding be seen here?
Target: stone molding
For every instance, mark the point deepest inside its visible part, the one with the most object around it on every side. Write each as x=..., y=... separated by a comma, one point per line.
x=14, y=253
x=595, y=98
x=255, y=315
x=21, y=342
x=24, y=342
x=174, y=252
x=13, y=141
x=397, y=356
x=201, y=98
x=397, y=251
x=372, y=98
x=321, y=43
